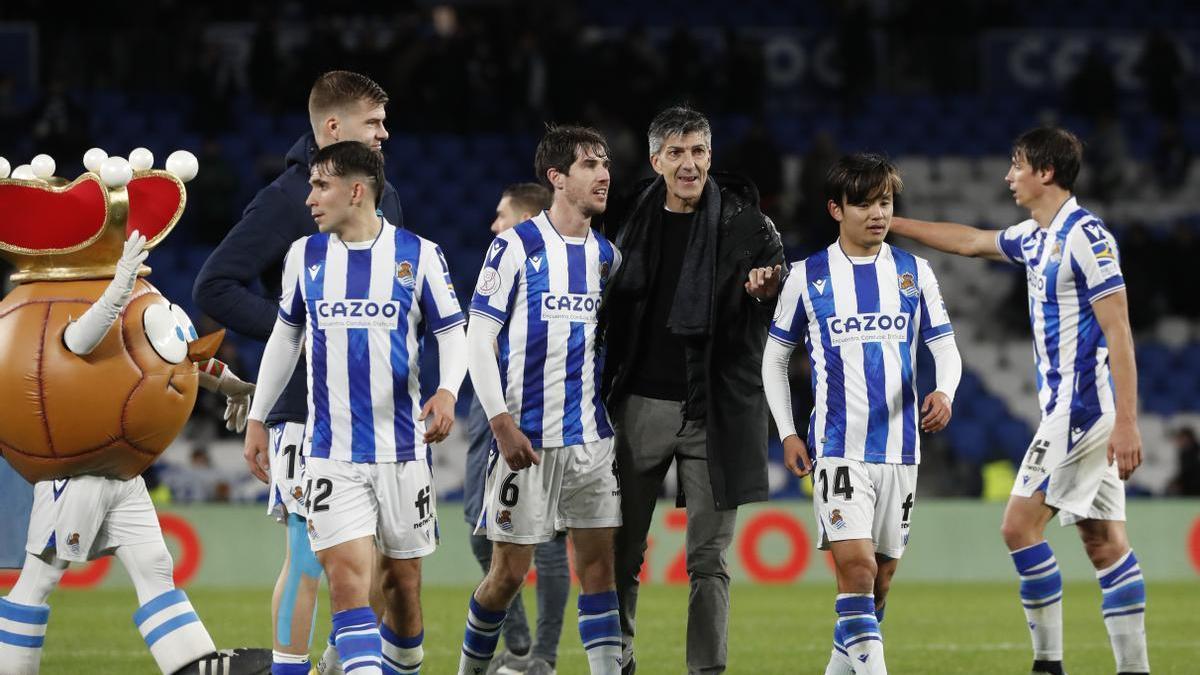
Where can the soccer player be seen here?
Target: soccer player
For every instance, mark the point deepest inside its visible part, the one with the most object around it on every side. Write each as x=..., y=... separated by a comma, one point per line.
x=859, y=307
x=342, y=105
x=358, y=293
x=1088, y=440
x=552, y=466
x=518, y=203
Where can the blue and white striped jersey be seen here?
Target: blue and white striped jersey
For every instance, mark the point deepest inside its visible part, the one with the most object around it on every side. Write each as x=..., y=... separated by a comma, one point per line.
x=1068, y=266
x=544, y=290
x=366, y=308
x=859, y=322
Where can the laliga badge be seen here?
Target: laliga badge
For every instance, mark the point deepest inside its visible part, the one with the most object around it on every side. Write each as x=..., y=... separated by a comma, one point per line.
x=489, y=282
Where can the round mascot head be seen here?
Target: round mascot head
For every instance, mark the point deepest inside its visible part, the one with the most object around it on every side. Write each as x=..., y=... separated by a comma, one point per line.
x=113, y=410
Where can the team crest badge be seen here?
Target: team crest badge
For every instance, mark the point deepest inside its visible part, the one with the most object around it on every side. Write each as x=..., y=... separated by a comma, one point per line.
x=504, y=520
x=1056, y=252
x=73, y=543
x=404, y=274
x=836, y=520
x=908, y=285
x=297, y=493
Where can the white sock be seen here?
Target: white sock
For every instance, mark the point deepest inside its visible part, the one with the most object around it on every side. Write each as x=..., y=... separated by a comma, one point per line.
x=1041, y=596
x=860, y=631
x=172, y=631
x=22, y=637
x=1124, y=609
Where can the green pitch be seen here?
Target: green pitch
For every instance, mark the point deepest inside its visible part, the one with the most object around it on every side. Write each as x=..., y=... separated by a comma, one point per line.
x=963, y=628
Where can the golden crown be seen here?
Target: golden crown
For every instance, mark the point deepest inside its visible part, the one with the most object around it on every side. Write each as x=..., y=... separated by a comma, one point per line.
x=52, y=229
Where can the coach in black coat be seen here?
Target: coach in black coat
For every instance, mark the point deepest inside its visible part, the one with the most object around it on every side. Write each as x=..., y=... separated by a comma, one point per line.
x=686, y=317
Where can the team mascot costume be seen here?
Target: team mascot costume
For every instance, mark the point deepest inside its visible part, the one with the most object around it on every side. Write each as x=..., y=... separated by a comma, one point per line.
x=98, y=374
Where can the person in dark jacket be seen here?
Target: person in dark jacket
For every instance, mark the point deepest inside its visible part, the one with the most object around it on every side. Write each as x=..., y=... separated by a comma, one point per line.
x=687, y=318
x=342, y=106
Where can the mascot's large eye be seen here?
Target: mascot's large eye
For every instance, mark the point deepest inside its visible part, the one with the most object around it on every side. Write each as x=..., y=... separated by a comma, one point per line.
x=165, y=334
x=181, y=317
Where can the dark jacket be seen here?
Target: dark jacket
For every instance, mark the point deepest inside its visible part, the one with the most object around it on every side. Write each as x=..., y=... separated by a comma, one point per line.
x=255, y=249
x=724, y=369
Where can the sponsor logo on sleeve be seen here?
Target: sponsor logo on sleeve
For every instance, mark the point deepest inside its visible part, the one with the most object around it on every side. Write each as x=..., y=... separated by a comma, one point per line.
x=489, y=282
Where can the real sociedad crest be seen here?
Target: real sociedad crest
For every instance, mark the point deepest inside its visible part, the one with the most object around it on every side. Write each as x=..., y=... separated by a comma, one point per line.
x=404, y=274
x=908, y=285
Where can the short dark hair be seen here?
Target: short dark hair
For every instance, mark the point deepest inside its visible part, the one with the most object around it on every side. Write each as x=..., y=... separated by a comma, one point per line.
x=558, y=146
x=351, y=158
x=529, y=197
x=1051, y=148
x=679, y=120
x=339, y=88
x=861, y=177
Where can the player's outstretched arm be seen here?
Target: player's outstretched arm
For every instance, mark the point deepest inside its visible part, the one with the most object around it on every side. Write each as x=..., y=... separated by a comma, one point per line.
x=278, y=361
x=1125, y=444
x=955, y=238
x=485, y=378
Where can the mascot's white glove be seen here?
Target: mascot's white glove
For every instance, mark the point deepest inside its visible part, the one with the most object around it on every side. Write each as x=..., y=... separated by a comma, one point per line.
x=216, y=376
x=83, y=335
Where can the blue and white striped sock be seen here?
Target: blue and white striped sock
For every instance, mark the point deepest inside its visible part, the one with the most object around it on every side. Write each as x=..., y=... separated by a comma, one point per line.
x=600, y=632
x=22, y=632
x=1124, y=608
x=1041, y=594
x=172, y=630
x=860, y=632
x=480, y=638
x=358, y=642
x=839, y=658
x=401, y=655
x=289, y=664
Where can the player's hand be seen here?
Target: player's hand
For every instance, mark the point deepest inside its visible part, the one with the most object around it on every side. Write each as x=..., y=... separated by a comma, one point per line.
x=763, y=283
x=441, y=407
x=255, y=452
x=935, y=412
x=795, y=456
x=1125, y=446
x=514, y=446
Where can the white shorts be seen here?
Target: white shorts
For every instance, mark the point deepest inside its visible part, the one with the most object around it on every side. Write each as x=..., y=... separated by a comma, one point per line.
x=87, y=517
x=393, y=502
x=287, y=471
x=574, y=487
x=1069, y=463
x=853, y=499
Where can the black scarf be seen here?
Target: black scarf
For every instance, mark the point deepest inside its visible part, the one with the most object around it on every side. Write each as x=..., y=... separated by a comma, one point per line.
x=691, y=309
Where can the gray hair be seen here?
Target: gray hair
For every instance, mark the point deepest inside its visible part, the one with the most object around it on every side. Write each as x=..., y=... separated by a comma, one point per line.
x=677, y=120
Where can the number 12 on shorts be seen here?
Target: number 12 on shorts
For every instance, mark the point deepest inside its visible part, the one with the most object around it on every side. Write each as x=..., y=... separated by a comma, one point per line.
x=317, y=503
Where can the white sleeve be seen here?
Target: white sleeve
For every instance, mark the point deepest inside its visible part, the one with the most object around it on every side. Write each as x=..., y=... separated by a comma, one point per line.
x=1093, y=250
x=279, y=360
x=935, y=320
x=439, y=303
x=485, y=371
x=499, y=279
x=452, y=359
x=775, y=383
x=947, y=363
x=291, y=297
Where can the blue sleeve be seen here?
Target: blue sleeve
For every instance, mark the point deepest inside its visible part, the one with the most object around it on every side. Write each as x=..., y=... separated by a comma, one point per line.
x=258, y=242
